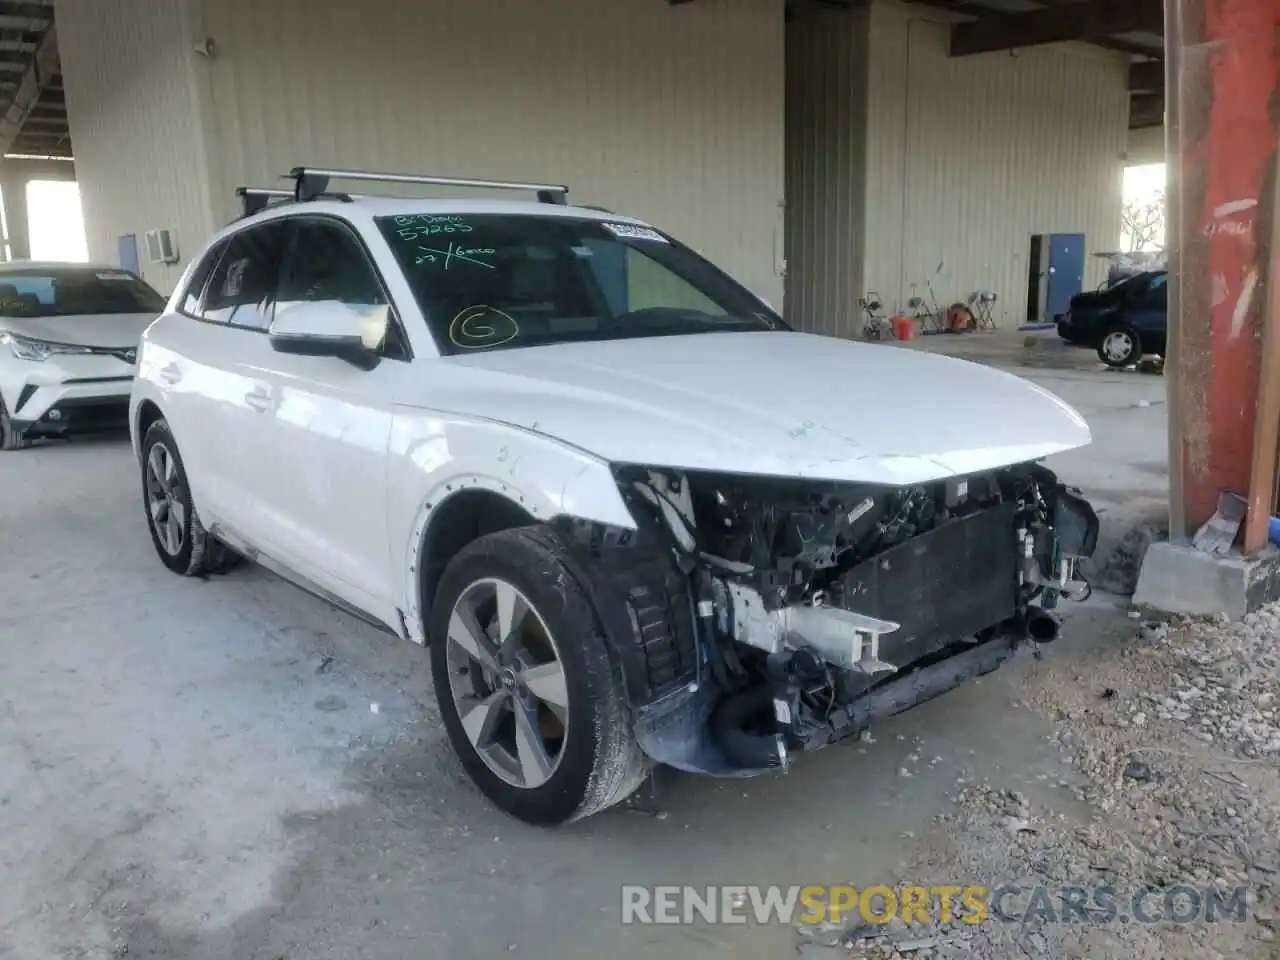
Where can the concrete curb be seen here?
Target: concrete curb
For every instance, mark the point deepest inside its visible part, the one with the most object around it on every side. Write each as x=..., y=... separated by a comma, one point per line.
x=1178, y=578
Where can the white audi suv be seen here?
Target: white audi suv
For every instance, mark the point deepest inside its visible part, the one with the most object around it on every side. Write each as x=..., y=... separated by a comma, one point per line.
x=635, y=517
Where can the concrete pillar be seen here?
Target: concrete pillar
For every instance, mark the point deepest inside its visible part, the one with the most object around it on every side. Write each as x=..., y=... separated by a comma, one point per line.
x=1223, y=77
x=14, y=193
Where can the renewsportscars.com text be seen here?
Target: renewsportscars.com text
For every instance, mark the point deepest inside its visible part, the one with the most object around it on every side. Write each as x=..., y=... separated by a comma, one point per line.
x=935, y=904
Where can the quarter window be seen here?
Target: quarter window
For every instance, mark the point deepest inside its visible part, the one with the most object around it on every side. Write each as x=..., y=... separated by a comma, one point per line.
x=242, y=288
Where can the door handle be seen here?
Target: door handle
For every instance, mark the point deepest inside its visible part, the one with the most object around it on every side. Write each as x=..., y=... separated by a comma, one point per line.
x=259, y=400
x=170, y=373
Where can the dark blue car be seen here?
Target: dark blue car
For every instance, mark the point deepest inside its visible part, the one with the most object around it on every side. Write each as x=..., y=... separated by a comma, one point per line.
x=1122, y=322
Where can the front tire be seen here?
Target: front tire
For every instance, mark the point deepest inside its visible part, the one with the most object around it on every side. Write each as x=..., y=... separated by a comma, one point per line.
x=10, y=437
x=180, y=539
x=1120, y=346
x=532, y=700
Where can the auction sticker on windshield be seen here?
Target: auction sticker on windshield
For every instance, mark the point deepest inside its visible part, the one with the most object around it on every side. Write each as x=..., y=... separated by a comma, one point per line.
x=631, y=231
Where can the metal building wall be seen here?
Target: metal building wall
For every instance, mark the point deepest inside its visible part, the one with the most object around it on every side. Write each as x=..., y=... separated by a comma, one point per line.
x=969, y=157
x=670, y=113
x=826, y=167
x=129, y=73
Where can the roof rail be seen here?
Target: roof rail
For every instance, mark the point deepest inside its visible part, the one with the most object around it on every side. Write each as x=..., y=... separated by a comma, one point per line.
x=313, y=182
x=256, y=199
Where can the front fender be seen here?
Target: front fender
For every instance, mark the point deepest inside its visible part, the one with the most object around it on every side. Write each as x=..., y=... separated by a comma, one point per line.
x=433, y=456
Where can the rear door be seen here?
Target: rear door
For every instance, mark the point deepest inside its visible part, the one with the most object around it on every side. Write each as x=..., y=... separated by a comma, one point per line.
x=215, y=384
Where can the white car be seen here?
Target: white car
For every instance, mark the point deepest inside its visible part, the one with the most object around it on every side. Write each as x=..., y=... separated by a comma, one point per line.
x=635, y=517
x=69, y=337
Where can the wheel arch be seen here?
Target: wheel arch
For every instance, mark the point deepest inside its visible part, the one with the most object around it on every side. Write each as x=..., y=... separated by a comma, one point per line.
x=148, y=412
x=472, y=510
x=448, y=488
x=626, y=568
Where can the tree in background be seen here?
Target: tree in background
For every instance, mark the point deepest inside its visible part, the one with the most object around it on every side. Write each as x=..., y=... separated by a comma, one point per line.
x=1142, y=223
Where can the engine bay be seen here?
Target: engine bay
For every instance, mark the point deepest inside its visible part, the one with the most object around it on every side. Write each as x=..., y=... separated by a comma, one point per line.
x=822, y=606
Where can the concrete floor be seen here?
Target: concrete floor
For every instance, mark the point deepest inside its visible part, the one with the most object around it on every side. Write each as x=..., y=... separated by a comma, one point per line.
x=184, y=773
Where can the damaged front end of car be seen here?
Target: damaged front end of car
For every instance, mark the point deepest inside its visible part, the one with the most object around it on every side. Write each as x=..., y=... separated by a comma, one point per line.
x=757, y=617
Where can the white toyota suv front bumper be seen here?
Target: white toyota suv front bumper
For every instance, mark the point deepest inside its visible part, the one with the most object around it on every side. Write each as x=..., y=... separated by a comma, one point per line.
x=67, y=393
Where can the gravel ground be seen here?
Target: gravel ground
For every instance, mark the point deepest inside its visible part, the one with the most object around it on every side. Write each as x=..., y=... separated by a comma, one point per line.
x=1173, y=740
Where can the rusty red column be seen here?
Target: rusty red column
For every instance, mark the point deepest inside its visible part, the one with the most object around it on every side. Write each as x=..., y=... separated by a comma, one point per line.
x=1223, y=84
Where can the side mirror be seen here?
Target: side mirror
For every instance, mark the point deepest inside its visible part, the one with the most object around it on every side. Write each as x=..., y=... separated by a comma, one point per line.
x=330, y=328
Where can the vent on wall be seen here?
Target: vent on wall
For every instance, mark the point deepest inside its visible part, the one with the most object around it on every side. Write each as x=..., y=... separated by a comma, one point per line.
x=160, y=247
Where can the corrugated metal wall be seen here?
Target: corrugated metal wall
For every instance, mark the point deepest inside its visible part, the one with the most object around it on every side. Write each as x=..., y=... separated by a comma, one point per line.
x=670, y=113
x=826, y=167
x=898, y=158
x=969, y=157
x=131, y=101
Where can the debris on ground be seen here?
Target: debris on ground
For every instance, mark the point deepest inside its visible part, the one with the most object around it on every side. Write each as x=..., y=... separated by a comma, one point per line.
x=1176, y=812
x=1219, y=532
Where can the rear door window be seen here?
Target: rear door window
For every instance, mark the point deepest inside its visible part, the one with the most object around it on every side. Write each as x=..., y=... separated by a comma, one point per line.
x=242, y=288
x=191, y=299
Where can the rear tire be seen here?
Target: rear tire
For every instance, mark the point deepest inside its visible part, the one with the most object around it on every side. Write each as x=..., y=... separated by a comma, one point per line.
x=596, y=762
x=1120, y=346
x=180, y=539
x=10, y=438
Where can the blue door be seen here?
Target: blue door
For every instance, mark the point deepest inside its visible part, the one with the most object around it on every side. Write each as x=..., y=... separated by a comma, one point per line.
x=1066, y=272
x=127, y=246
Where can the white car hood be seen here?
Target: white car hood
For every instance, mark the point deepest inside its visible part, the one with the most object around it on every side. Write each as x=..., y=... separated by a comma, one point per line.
x=773, y=403
x=85, y=330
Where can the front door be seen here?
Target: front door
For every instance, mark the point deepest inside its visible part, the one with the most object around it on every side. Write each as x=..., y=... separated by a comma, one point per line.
x=1066, y=272
x=321, y=468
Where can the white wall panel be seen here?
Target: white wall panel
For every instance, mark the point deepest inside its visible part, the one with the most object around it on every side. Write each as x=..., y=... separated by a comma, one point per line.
x=968, y=157
x=133, y=108
x=670, y=113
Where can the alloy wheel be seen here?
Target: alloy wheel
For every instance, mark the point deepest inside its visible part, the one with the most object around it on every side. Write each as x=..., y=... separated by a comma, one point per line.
x=508, y=683
x=166, y=504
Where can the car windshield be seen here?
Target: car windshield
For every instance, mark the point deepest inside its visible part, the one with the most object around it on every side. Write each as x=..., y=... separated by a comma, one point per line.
x=488, y=282
x=62, y=292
